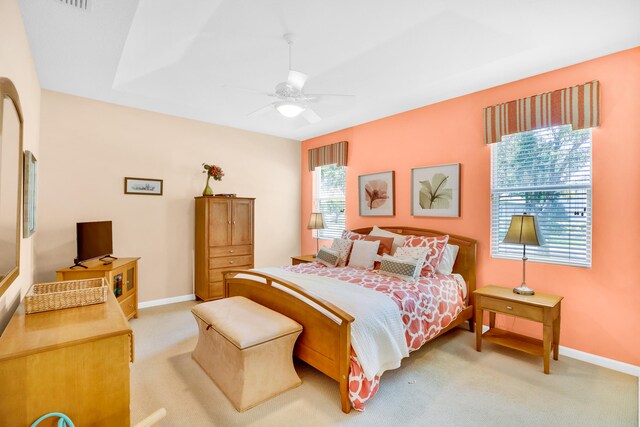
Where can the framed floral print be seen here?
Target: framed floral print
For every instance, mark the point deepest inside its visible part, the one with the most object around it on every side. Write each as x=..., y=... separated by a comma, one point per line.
x=376, y=194
x=435, y=190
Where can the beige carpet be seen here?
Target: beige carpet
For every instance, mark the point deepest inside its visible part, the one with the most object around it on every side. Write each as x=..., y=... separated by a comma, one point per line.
x=446, y=383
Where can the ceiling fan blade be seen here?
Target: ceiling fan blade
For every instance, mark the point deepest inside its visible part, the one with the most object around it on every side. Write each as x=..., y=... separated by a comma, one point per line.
x=245, y=89
x=319, y=97
x=262, y=110
x=296, y=79
x=311, y=116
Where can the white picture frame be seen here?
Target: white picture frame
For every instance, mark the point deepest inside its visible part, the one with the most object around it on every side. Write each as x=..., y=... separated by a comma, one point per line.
x=383, y=184
x=29, y=196
x=435, y=191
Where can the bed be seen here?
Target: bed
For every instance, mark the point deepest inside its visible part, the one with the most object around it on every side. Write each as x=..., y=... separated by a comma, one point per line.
x=325, y=342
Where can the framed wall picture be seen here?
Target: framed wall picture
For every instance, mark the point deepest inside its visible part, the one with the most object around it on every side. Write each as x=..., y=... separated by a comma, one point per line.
x=146, y=186
x=376, y=194
x=435, y=190
x=29, y=193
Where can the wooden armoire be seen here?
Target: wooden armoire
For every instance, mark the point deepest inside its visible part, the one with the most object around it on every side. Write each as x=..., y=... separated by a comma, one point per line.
x=223, y=241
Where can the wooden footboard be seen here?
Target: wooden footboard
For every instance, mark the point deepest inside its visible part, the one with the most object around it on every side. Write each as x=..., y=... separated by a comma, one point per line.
x=325, y=343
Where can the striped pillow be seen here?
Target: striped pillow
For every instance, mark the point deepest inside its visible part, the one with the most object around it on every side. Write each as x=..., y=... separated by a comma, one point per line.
x=328, y=257
x=404, y=268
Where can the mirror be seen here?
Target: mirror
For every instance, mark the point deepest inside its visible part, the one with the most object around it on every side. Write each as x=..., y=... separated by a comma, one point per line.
x=10, y=182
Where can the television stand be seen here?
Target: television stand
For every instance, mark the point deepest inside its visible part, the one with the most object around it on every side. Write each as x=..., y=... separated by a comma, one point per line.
x=77, y=263
x=111, y=258
x=121, y=276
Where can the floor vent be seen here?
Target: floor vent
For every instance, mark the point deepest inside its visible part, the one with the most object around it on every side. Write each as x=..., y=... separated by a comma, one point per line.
x=78, y=4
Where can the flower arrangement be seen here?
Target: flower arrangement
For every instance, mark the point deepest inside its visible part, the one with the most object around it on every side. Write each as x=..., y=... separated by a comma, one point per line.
x=213, y=171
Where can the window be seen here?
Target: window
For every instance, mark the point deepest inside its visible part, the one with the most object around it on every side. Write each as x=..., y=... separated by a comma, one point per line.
x=547, y=173
x=330, y=185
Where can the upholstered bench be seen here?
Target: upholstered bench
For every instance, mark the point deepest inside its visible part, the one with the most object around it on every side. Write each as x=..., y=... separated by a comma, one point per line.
x=246, y=349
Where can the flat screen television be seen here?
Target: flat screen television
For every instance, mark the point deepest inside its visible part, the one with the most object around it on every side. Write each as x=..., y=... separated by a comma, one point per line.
x=94, y=240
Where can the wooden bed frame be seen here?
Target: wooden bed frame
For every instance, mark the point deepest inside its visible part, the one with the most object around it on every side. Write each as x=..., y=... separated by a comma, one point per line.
x=325, y=344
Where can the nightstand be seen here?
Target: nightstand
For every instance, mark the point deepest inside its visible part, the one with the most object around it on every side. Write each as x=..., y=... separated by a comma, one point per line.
x=302, y=259
x=543, y=308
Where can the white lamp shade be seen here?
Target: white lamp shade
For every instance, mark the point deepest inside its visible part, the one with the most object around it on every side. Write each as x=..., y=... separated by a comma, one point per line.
x=316, y=221
x=289, y=109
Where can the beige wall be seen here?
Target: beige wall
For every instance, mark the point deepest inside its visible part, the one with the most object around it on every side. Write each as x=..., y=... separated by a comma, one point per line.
x=88, y=147
x=17, y=64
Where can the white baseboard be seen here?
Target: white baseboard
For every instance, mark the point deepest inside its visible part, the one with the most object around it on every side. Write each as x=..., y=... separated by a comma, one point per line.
x=626, y=368
x=604, y=362
x=164, y=301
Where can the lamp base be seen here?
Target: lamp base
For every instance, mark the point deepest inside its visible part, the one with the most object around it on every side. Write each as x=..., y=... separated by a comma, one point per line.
x=523, y=290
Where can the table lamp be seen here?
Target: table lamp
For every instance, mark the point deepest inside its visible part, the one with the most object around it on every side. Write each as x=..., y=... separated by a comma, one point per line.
x=524, y=230
x=316, y=222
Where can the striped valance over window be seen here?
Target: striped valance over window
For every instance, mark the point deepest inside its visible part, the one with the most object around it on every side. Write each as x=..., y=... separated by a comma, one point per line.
x=577, y=106
x=328, y=155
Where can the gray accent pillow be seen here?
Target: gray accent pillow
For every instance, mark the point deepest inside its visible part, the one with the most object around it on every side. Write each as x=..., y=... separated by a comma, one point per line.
x=328, y=257
x=404, y=268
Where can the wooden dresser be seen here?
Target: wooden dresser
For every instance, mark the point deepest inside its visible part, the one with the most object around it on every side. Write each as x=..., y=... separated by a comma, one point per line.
x=122, y=275
x=223, y=241
x=74, y=361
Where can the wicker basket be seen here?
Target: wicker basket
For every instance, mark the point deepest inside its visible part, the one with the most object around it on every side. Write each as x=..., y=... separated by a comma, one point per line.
x=70, y=293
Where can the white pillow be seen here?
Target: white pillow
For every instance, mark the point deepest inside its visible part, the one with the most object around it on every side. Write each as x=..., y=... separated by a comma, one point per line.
x=328, y=257
x=445, y=266
x=343, y=246
x=419, y=253
x=404, y=268
x=364, y=253
x=398, y=239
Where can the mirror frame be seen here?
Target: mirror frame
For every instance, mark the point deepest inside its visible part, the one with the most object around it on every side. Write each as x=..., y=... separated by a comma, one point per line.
x=7, y=89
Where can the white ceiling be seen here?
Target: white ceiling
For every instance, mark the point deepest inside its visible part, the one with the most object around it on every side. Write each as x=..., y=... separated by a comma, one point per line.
x=179, y=57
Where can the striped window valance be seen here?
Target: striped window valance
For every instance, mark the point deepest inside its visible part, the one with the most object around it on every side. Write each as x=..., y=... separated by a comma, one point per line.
x=328, y=155
x=577, y=106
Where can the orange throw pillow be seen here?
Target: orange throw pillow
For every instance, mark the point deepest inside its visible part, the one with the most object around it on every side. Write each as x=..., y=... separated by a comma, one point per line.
x=385, y=243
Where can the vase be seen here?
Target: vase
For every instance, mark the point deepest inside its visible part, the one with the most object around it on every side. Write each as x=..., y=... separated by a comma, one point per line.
x=208, y=191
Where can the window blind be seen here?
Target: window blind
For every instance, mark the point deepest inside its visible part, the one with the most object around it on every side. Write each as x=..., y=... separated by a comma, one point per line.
x=330, y=199
x=547, y=173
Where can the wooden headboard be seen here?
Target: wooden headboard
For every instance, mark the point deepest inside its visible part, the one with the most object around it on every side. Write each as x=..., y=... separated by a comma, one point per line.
x=465, y=262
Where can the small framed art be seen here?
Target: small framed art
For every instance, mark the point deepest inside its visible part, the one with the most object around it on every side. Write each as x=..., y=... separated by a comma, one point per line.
x=376, y=194
x=435, y=190
x=30, y=192
x=146, y=186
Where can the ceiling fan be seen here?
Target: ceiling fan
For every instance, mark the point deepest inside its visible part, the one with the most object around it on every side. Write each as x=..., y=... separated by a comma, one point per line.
x=291, y=100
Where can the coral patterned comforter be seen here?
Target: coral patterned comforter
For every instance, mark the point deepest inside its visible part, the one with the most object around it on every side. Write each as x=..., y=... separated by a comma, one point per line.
x=427, y=306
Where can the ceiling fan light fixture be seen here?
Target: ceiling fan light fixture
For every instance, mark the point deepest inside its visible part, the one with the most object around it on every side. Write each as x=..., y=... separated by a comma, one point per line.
x=290, y=109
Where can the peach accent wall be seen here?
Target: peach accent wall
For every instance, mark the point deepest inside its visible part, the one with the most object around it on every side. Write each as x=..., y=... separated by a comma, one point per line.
x=600, y=308
x=88, y=147
x=17, y=64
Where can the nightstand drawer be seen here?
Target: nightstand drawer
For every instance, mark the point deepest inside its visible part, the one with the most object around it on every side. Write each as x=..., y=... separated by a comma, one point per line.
x=513, y=308
x=302, y=259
